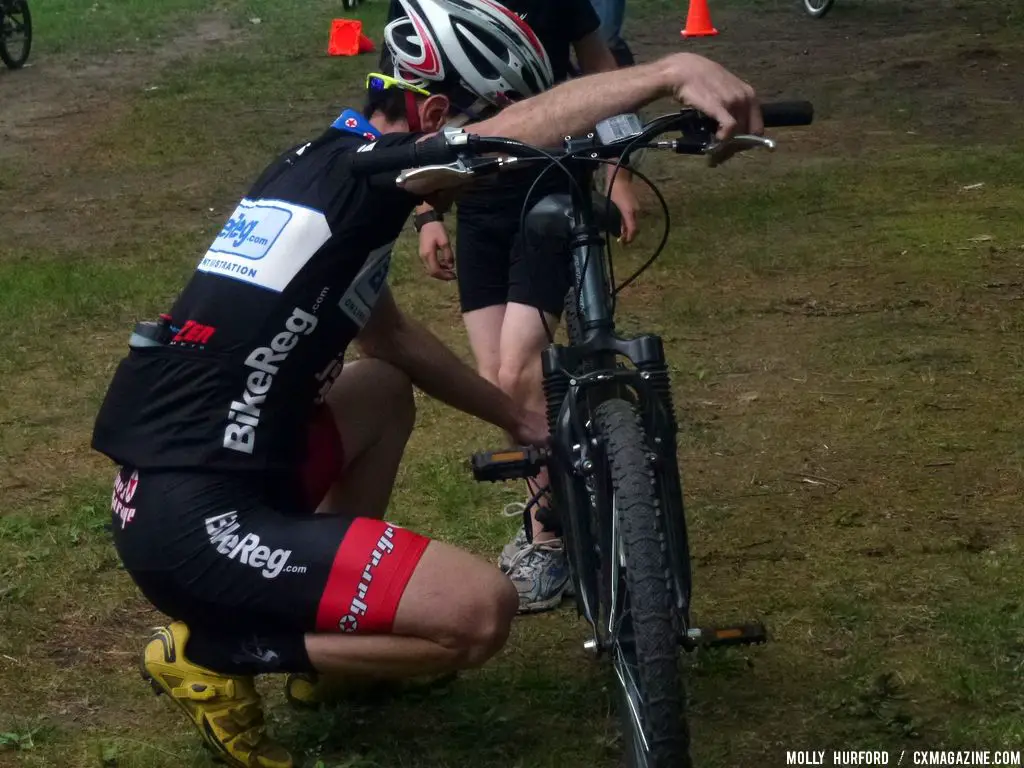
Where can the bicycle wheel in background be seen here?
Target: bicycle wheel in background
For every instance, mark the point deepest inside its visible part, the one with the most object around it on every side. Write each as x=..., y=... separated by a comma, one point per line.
x=645, y=650
x=818, y=8
x=15, y=33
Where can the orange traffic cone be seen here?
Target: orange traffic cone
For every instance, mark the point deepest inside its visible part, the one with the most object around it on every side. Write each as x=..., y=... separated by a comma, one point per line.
x=698, y=20
x=365, y=44
x=345, y=37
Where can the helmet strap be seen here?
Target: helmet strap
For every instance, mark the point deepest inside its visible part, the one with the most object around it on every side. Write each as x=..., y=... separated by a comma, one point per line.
x=412, y=112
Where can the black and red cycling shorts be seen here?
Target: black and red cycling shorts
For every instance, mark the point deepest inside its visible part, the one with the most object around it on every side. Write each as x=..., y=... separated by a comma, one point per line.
x=247, y=553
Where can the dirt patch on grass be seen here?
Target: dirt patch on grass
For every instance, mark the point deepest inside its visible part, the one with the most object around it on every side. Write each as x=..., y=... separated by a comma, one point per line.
x=931, y=66
x=57, y=104
x=104, y=641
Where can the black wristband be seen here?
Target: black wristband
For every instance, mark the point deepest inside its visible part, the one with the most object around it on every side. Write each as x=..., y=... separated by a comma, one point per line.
x=425, y=218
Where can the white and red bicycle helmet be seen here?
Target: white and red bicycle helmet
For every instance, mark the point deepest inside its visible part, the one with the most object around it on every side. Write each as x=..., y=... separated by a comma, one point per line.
x=477, y=47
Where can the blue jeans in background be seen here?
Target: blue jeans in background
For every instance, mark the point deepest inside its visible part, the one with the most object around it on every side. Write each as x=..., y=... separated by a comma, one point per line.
x=612, y=13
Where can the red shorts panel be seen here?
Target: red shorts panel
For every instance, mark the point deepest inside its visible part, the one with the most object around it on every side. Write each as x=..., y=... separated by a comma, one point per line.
x=325, y=457
x=371, y=570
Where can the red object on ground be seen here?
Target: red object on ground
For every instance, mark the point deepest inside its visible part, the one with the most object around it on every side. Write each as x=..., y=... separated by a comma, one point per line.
x=698, y=20
x=347, y=38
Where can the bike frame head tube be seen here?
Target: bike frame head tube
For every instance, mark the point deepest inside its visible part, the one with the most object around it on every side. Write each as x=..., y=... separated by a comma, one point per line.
x=590, y=275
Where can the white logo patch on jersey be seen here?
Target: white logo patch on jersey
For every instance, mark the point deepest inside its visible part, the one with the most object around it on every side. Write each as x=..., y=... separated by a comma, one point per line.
x=266, y=243
x=361, y=297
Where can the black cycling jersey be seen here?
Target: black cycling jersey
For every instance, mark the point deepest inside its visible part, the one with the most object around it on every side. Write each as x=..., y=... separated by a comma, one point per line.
x=258, y=334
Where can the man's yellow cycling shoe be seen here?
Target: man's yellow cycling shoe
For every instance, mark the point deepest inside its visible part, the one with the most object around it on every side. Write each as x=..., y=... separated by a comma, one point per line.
x=225, y=709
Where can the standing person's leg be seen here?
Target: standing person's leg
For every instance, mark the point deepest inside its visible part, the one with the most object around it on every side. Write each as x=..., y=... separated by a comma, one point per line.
x=482, y=245
x=612, y=14
x=538, y=282
x=507, y=340
x=483, y=257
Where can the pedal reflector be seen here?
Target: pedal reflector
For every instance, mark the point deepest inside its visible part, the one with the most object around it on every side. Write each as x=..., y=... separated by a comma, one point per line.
x=717, y=637
x=508, y=464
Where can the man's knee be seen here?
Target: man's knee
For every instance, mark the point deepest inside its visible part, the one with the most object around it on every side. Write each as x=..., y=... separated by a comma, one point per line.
x=386, y=386
x=486, y=623
x=459, y=602
x=480, y=620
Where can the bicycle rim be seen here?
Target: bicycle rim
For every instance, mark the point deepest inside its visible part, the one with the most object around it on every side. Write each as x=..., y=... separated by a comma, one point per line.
x=818, y=8
x=15, y=34
x=630, y=705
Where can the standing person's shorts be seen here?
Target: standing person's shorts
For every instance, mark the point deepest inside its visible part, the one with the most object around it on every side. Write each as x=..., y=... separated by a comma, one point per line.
x=495, y=266
x=246, y=553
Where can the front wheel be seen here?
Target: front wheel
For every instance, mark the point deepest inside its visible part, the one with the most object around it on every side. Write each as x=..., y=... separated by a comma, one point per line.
x=645, y=646
x=15, y=32
x=818, y=8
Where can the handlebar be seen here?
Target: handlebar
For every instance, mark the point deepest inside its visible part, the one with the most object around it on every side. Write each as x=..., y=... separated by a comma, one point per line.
x=697, y=129
x=432, y=151
x=787, y=114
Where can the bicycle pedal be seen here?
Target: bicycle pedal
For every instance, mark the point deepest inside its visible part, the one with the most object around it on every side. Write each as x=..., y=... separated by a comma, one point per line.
x=509, y=464
x=720, y=637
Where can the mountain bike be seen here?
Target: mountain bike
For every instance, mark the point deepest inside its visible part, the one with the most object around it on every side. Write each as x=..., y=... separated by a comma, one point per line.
x=612, y=462
x=818, y=8
x=15, y=32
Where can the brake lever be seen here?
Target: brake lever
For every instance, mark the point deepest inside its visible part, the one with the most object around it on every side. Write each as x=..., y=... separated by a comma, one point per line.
x=720, y=151
x=435, y=178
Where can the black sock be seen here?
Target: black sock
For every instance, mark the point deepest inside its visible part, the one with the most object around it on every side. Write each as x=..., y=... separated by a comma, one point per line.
x=248, y=654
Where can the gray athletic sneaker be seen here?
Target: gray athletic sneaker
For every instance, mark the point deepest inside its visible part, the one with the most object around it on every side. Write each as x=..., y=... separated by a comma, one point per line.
x=540, y=574
x=511, y=549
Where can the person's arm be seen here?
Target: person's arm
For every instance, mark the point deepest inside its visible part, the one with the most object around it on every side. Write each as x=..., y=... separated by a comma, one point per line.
x=577, y=105
x=593, y=55
x=392, y=336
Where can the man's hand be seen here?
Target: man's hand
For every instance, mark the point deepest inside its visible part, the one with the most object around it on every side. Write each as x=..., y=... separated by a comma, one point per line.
x=436, y=251
x=531, y=428
x=624, y=197
x=701, y=83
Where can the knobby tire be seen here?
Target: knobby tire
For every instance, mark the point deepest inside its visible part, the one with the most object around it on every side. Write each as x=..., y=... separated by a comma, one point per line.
x=648, y=588
x=7, y=10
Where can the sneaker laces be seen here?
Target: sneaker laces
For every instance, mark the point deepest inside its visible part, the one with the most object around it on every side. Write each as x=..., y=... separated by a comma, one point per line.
x=513, y=509
x=531, y=558
x=519, y=508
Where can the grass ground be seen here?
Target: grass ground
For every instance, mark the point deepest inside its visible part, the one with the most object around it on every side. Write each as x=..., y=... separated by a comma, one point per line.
x=844, y=321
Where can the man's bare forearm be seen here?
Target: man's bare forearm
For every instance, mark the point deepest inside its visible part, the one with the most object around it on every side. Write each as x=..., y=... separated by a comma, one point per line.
x=594, y=56
x=436, y=370
x=579, y=104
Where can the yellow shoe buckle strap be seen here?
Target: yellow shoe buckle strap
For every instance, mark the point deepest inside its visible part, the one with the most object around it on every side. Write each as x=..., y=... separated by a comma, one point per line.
x=198, y=691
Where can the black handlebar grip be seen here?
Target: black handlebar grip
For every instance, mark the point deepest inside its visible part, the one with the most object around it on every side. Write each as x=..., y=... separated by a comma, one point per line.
x=780, y=114
x=432, y=151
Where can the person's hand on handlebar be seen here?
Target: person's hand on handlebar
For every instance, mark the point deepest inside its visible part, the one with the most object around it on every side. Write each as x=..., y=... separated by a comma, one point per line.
x=703, y=84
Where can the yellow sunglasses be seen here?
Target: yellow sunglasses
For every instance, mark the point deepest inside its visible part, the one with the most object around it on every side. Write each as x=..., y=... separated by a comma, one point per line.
x=377, y=83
